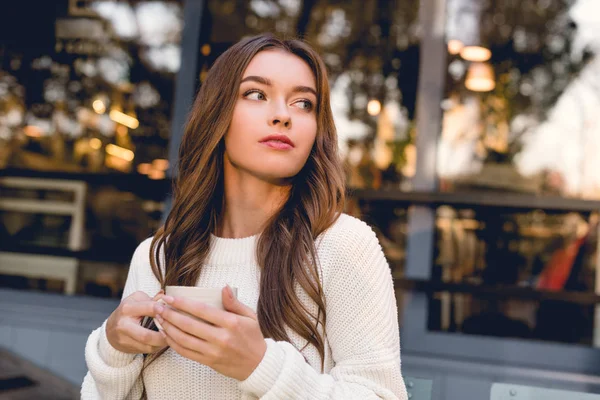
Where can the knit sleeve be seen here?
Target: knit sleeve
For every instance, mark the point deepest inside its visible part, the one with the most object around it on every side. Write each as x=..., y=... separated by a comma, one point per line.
x=113, y=374
x=362, y=330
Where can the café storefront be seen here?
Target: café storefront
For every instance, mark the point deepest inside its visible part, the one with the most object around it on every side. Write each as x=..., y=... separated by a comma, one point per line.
x=468, y=128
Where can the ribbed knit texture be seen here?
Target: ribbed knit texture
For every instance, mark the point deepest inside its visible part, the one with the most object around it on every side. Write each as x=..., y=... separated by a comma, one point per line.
x=362, y=359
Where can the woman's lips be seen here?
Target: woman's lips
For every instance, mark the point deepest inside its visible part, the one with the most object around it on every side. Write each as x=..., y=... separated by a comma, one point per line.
x=277, y=145
x=278, y=142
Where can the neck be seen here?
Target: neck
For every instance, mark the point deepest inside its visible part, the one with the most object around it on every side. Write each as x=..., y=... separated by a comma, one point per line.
x=249, y=203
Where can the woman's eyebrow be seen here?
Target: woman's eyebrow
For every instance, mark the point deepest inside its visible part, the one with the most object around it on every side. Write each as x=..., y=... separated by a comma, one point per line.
x=304, y=89
x=257, y=79
x=267, y=82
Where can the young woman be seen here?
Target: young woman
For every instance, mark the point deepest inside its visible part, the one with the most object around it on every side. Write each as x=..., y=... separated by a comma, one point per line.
x=257, y=205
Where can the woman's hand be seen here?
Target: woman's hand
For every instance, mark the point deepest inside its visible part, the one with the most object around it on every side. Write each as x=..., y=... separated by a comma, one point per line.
x=123, y=329
x=233, y=345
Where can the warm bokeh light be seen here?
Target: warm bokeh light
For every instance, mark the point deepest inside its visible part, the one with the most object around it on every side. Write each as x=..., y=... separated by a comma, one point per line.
x=119, y=152
x=95, y=143
x=117, y=163
x=410, y=168
x=160, y=164
x=475, y=53
x=99, y=106
x=32, y=131
x=455, y=46
x=480, y=78
x=124, y=119
x=156, y=174
x=144, y=168
x=374, y=107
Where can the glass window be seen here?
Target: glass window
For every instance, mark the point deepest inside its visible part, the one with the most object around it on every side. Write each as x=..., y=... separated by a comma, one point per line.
x=519, y=115
x=86, y=103
x=92, y=89
x=521, y=97
x=515, y=274
x=390, y=224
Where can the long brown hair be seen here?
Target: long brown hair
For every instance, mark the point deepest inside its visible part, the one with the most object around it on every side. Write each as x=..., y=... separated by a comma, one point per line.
x=285, y=250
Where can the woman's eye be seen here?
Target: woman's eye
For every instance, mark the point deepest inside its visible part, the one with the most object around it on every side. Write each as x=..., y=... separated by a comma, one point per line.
x=254, y=95
x=305, y=105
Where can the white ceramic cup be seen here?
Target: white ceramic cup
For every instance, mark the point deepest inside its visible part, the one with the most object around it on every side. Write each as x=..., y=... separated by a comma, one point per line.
x=207, y=295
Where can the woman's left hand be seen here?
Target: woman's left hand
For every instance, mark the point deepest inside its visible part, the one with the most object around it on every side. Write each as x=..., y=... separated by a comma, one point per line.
x=233, y=345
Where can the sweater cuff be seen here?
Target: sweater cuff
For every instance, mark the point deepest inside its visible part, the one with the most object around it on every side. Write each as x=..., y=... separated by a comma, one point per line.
x=262, y=379
x=111, y=356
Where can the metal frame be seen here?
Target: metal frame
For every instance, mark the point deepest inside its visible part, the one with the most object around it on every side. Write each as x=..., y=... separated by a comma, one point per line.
x=185, y=85
x=416, y=338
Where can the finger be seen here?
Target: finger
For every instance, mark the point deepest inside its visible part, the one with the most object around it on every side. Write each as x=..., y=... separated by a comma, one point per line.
x=188, y=324
x=231, y=304
x=184, y=339
x=138, y=309
x=138, y=296
x=139, y=348
x=158, y=295
x=201, y=310
x=136, y=347
x=143, y=336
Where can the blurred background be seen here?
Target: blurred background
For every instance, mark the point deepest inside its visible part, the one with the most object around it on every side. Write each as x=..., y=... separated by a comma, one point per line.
x=470, y=130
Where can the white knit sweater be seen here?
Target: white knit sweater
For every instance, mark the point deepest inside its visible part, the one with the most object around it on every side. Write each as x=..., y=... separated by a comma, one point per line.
x=362, y=358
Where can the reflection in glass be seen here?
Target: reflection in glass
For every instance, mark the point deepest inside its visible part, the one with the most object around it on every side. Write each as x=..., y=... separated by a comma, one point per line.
x=391, y=227
x=86, y=95
x=505, y=262
x=96, y=87
x=526, y=119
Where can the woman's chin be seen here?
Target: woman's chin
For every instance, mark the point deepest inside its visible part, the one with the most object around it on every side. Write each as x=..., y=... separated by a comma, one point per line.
x=276, y=172
x=281, y=178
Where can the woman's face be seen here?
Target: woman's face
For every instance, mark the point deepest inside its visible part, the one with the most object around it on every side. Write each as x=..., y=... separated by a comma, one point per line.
x=274, y=121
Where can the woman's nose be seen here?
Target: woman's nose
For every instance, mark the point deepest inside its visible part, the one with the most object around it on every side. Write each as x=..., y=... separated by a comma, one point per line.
x=281, y=115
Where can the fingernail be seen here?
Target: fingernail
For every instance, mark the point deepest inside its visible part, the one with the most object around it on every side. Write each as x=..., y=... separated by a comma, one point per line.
x=168, y=299
x=159, y=308
x=229, y=292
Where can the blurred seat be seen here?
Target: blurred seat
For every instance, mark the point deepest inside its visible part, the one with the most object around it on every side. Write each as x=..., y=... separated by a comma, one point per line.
x=507, y=391
x=418, y=388
x=46, y=266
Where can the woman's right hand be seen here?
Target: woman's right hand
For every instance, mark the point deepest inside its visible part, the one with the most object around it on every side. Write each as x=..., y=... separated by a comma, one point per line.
x=123, y=329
